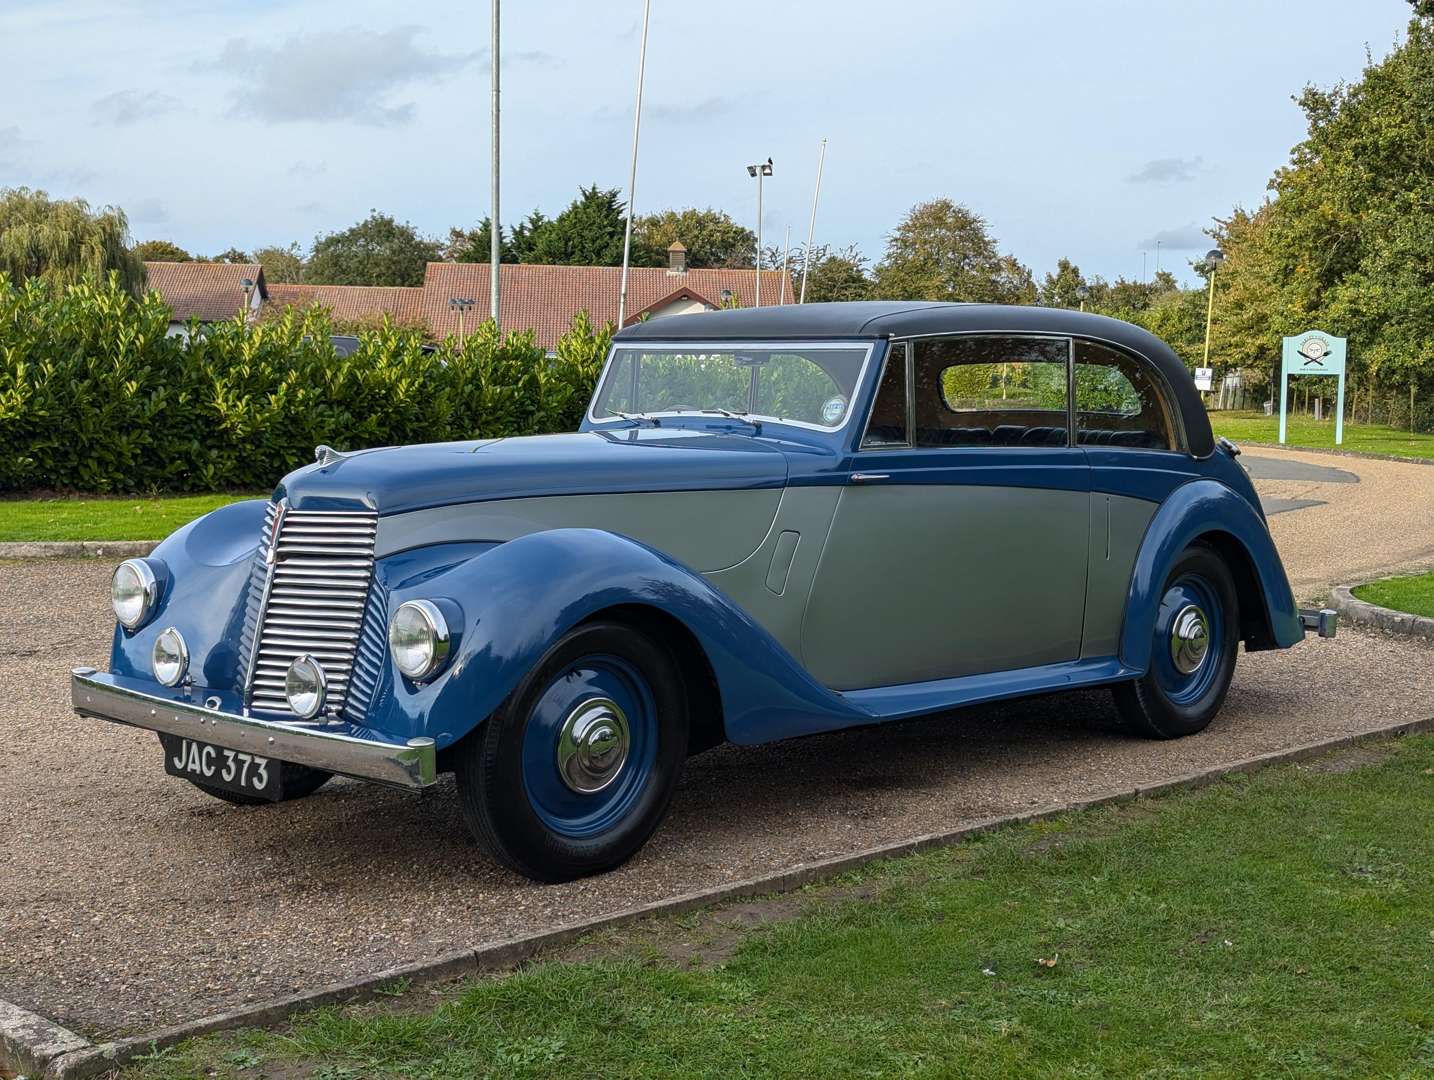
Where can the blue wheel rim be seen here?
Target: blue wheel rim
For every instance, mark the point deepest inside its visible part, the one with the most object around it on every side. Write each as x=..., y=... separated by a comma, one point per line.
x=1188, y=591
x=578, y=814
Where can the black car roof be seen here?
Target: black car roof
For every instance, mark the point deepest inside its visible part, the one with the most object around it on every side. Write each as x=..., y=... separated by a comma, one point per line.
x=877, y=319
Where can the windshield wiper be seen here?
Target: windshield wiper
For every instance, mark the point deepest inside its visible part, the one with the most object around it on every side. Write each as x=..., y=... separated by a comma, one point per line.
x=730, y=415
x=636, y=418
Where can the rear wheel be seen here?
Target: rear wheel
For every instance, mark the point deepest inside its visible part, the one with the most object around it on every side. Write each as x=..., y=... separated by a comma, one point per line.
x=572, y=773
x=1197, y=638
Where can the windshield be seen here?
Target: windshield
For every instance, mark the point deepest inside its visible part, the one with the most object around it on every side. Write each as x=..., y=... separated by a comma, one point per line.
x=802, y=384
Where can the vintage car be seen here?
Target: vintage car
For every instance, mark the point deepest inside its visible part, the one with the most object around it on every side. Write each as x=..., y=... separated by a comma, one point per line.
x=772, y=523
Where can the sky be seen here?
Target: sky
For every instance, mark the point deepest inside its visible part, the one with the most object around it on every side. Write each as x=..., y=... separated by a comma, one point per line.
x=1086, y=130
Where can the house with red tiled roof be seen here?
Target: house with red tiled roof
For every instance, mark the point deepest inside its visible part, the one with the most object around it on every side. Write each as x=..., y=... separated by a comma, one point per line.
x=534, y=297
x=352, y=303
x=208, y=292
x=545, y=298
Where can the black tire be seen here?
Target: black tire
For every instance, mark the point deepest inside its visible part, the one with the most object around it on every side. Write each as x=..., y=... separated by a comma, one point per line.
x=522, y=810
x=1169, y=702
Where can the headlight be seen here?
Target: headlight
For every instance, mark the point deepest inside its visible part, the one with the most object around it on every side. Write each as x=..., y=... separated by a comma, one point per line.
x=170, y=659
x=306, y=685
x=133, y=591
x=418, y=636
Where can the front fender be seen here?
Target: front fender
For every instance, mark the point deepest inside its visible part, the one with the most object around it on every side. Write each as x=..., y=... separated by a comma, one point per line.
x=1205, y=508
x=520, y=597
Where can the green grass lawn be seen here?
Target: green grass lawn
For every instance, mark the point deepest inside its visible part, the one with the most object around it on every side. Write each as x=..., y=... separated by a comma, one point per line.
x=1414, y=594
x=1319, y=434
x=104, y=518
x=1280, y=925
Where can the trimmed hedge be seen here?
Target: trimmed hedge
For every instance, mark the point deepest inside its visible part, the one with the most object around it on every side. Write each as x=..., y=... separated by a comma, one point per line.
x=94, y=396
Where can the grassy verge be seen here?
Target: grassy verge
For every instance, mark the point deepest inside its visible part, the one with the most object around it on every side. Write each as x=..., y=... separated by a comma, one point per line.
x=1319, y=434
x=1414, y=594
x=104, y=518
x=1276, y=925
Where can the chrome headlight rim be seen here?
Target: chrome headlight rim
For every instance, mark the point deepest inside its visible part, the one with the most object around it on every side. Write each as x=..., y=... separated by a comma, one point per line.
x=318, y=688
x=171, y=641
x=435, y=628
x=148, y=591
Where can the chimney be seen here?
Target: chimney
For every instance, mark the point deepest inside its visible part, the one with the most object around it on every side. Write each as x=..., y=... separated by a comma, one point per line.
x=676, y=258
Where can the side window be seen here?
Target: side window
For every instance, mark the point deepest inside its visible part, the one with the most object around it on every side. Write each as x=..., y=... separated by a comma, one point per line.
x=992, y=391
x=887, y=424
x=1118, y=402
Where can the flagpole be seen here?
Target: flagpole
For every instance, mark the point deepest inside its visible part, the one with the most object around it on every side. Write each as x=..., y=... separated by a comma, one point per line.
x=812, y=228
x=632, y=173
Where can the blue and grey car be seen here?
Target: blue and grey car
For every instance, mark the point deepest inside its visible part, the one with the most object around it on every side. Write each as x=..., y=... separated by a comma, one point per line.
x=773, y=522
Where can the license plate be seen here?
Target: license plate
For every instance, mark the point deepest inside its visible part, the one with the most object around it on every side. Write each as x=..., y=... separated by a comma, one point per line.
x=219, y=767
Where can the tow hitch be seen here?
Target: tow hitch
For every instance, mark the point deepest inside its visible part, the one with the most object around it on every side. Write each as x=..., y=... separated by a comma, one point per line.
x=1325, y=621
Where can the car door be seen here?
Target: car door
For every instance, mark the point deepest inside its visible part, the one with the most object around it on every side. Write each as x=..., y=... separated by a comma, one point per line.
x=959, y=544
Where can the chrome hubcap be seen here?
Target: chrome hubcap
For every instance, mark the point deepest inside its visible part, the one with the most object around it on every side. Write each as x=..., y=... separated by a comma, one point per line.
x=593, y=745
x=1189, y=639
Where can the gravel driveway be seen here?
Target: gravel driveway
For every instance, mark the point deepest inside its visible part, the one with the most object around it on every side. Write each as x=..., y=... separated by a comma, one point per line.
x=132, y=900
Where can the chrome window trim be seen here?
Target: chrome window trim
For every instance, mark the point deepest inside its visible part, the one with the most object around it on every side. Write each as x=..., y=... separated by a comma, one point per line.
x=909, y=403
x=1179, y=417
x=1025, y=334
x=728, y=346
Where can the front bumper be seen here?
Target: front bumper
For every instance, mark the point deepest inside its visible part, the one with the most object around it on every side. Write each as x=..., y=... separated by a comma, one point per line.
x=407, y=765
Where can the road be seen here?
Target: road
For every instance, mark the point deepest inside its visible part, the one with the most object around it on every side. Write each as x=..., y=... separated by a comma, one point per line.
x=133, y=900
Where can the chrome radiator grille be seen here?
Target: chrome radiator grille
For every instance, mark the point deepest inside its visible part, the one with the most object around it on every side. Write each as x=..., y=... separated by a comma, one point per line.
x=319, y=564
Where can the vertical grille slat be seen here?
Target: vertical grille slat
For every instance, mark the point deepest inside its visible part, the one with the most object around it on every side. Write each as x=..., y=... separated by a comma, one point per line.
x=310, y=595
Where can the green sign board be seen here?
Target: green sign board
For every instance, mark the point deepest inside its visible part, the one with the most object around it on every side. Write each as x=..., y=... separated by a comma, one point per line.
x=1314, y=353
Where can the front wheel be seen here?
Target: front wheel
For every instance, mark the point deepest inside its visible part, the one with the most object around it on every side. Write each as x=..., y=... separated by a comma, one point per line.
x=575, y=770
x=1197, y=639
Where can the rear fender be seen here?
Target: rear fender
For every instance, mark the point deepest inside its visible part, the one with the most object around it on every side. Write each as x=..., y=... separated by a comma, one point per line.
x=520, y=597
x=1208, y=510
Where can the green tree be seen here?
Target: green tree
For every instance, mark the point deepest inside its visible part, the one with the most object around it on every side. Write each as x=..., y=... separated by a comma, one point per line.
x=1059, y=289
x=161, y=251
x=231, y=255
x=941, y=250
x=63, y=241
x=282, y=265
x=476, y=245
x=711, y=237
x=588, y=233
x=376, y=251
x=835, y=276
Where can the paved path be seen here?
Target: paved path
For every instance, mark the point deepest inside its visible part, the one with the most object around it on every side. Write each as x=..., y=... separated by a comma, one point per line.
x=1338, y=520
x=132, y=900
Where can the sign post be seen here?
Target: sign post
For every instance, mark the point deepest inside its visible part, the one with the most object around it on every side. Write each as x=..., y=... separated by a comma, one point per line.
x=1313, y=353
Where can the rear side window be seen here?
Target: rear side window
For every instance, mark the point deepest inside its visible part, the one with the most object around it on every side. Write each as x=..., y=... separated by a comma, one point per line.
x=992, y=391
x=1118, y=401
x=887, y=426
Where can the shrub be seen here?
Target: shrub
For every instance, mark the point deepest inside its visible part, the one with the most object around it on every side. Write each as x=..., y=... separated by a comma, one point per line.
x=94, y=396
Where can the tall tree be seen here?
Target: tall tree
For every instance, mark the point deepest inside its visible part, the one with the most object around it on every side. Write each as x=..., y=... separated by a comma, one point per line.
x=376, y=251
x=940, y=250
x=711, y=237
x=1059, y=289
x=232, y=255
x=476, y=245
x=588, y=233
x=161, y=251
x=282, y=265
x=834, y=276
x=63, y=241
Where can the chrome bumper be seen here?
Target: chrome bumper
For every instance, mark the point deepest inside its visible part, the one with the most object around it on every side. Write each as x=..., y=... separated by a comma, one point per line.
x=1324, y=622
x=413, y=765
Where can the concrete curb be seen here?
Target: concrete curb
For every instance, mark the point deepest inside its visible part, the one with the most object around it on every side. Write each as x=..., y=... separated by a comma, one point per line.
x=1332, y=452
x=76, y=549
x=58, y=1054
x=1362, y=613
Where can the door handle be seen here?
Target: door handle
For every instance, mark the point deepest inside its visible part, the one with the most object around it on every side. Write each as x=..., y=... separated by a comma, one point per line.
x=869, y=477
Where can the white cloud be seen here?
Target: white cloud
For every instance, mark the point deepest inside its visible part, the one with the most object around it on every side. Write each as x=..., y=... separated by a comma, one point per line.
x=351, y=74
x=125, y=107
x=1167, y=171
x=147, y=212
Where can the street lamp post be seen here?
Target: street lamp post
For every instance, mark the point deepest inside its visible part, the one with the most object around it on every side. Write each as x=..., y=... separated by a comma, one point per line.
x=495, y=249
x=760, y=171
x=461, y=306
x=632, y=173
x=1082, y=294
x=248, y=286
x=1213, y=259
